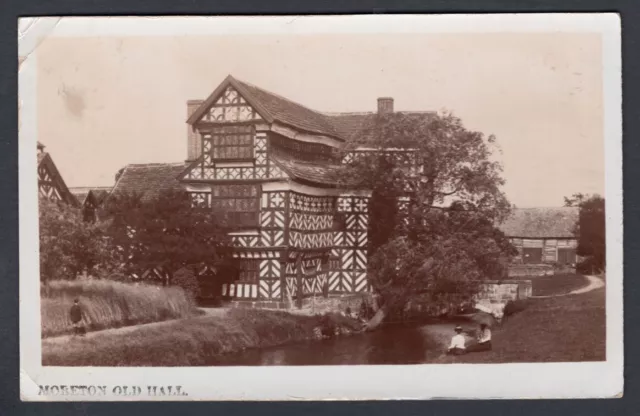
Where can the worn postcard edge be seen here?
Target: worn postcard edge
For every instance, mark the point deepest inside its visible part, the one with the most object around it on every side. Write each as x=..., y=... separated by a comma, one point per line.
x=463, y=381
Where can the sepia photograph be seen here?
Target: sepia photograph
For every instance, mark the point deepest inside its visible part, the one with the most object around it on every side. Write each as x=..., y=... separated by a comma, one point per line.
x=261, y=199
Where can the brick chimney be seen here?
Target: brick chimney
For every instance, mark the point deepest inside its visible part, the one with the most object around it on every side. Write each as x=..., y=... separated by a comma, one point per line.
x=385, y=105
x=194, y=144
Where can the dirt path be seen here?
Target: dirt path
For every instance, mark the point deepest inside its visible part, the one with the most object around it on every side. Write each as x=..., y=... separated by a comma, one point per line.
x=208, y=312
x=593, y=284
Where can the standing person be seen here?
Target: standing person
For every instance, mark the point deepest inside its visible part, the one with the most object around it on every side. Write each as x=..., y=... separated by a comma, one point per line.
x=457, y=346
x=76, y=318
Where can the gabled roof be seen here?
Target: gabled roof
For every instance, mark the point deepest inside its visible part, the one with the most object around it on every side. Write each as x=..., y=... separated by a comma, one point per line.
x=273, y=107
x=99, y=193
x=45, y=161
x=556, y=222
x=148, y=179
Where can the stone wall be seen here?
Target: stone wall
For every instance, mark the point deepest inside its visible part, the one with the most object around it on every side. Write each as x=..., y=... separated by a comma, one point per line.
x=523, y=270
x=494, y=295
x=504, y=291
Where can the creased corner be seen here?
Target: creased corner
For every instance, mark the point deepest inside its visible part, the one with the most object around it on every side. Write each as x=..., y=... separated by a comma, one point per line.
x=31, y=32
x=28, y=387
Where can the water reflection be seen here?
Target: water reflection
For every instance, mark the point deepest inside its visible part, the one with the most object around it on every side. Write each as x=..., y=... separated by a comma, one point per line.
x=392, y=345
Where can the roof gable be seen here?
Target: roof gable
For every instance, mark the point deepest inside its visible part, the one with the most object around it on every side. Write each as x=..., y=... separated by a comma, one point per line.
x=229, y=94
x=49, y=175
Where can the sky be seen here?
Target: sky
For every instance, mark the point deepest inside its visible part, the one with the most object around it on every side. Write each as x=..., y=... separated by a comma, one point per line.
x=105, y=102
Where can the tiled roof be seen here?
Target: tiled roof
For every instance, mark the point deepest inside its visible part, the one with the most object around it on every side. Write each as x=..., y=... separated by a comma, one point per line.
x=149, y=179
x=344, y=126
x=350, y=125
x=314, y=172
x=291, y=113
x=541, y=222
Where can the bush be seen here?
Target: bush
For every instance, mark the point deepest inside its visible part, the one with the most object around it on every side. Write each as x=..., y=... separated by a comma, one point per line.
x=515, y=306
x=109, y=304
x=588, y=266
x=186, y=279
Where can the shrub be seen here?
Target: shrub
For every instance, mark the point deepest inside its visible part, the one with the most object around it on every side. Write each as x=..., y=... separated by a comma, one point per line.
x=109, y=304
x=186, y=279
x=515, y=306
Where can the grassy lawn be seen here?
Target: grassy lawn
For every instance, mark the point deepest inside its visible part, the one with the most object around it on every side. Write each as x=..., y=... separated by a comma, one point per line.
x=561, y=329
x=110, y=304
x=188, y=342
x=558, y=284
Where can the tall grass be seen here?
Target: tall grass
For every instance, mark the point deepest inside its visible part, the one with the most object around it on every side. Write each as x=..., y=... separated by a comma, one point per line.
x=109, y=304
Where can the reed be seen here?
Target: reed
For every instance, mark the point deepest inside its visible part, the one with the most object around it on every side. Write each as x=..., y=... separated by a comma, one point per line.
x=110, y=304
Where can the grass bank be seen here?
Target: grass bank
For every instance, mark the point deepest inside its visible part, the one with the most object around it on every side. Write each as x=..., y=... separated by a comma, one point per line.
x=562, y=329
x=189, y=342
x=558, y=284
x=110, y=304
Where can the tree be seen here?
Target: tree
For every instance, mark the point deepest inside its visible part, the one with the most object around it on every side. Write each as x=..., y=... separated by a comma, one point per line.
x=165, y=232
x=446, y=240
x=590, y=230
x=68, y=245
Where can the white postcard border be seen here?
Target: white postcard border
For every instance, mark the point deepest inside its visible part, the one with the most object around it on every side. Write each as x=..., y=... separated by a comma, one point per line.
x=499, y=381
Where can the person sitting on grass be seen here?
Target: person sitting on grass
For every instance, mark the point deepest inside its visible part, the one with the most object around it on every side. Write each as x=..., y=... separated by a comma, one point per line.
x=457, y=346
x=483, y=340
x=76, y=318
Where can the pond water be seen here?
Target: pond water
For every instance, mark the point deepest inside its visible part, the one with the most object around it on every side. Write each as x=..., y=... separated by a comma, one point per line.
x=394, y=344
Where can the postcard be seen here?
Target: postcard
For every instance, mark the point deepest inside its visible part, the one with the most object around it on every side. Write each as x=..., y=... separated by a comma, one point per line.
x=353, y=207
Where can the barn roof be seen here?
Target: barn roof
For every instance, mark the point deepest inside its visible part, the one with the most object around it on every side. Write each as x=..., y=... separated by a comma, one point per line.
x=558, y=222
x=148, y=179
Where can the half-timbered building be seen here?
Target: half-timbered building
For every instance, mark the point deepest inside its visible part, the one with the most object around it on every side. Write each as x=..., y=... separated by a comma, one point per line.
x=50, y=182
x=543, y=235
x=266, y=162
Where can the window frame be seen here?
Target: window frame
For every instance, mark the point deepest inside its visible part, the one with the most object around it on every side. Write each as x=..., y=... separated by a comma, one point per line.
x=217, y=133
x=254, y=214
x=253, y=271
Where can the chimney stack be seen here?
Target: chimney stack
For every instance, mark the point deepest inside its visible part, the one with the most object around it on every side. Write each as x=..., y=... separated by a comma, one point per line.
x=385, y=105
x=194, y=144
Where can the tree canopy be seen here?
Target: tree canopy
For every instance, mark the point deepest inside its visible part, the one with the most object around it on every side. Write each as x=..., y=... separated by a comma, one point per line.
x=446, y=240
x=165, y=232
x=590, y=230
x=68, y=245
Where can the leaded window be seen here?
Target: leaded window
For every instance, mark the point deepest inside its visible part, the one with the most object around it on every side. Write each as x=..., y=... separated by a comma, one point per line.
x=199, y=199
x=238, y=204
x=249, y=270
x=230, y=143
